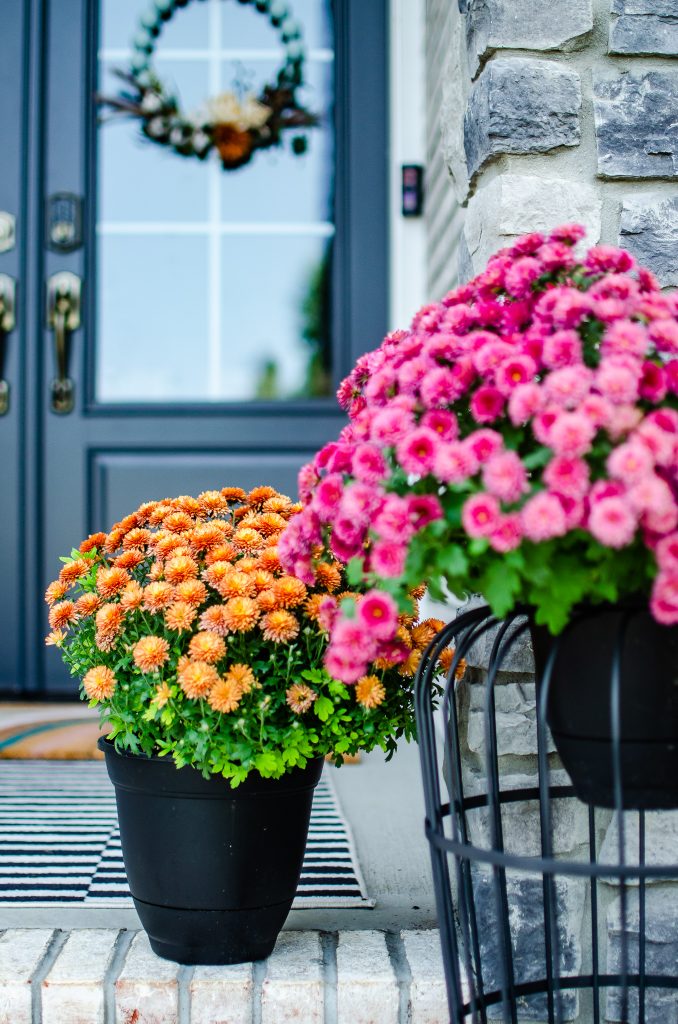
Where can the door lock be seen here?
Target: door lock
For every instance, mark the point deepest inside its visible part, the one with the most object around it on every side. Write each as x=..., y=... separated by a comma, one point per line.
x=7, y=325
x=64, y=292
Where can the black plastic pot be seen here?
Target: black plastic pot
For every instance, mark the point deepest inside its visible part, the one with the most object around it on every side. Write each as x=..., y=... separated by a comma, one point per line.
x=212, y=870
x=579, y=704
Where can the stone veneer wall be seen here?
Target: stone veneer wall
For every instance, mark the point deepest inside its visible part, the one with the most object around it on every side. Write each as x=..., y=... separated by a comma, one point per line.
x=543, y=112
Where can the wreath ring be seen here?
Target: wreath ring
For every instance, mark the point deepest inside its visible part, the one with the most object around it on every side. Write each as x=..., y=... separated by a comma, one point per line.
x=233, y=125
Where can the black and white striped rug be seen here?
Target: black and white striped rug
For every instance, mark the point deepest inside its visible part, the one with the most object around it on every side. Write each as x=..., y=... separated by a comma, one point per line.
x=60, y=846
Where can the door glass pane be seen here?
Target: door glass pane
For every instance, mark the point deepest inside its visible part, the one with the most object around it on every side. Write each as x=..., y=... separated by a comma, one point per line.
x=213, y=286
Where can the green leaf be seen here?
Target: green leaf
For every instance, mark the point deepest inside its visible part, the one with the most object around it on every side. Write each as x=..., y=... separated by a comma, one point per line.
x=540, y=457
x=452, y=561
x=323, y=708
x=500, y=585
x=354, y=571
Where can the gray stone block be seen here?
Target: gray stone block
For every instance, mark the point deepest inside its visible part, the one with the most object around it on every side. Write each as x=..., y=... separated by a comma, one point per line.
x=518, y=658
x=645, y=26
x=661, y=843
x=515, y=716
x=661, y=955
x=635, y=117
x=526, y=916
x=649, y=229
x=521, y=106
x=524, y=25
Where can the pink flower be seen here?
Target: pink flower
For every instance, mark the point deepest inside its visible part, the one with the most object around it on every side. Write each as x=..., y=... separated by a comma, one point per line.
x=353, y=636
x=360, y=502
x=649, y=494
x=567, y=475
x=660, y=443
x=423, y=509
x=571, y=434
x=542, y=424
x=542, y=517
x=630, y=462
x=574, y=509
x=507, y=535
x=505, y=477
x=603, y=489
x=455, y=462
x=562, y=349
x=344, y=550
x=666, y=553
x=664, y=601
x=368, y=464
x=484, y=443
x=612, y=522
x=412, y=373
x=387, y=558
x=568, y=385
x=378, y=613
x=617, y=381
x=653, y=382
x=390, y=425
x=521, y=275
x=671, y=371
x=417, y=451
x=328, y=494
x=600, y=258
x=623, y=419
x=306, y=481
x=597, y=409
x=442, y=422
x=513, y=372
x=487, y=404
x=525, y=401
x=341, y=663
x=624, y=337
x=568, y=233
x=491, y=353
x=328, y=611
x=569, y=306
x=556, y=256
x=664, y=334
x=480, y=515
x=393, y=520
x=440, y=387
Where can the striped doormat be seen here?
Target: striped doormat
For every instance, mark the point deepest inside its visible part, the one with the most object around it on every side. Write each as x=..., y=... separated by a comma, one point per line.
x=60, y=846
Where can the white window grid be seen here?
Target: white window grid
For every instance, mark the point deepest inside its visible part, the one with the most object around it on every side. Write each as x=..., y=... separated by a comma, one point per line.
x=213, y=227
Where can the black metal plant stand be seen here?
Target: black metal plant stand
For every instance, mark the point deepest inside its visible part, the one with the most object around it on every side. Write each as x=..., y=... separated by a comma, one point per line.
x=476, y=888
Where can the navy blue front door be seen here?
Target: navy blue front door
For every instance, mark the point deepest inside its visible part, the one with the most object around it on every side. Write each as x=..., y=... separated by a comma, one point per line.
x=217, y=311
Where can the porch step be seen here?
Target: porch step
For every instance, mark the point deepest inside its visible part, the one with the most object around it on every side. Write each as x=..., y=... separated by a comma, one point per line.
x=108, y=976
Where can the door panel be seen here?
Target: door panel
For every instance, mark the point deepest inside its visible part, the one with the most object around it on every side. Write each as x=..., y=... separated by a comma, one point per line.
x=219, y=311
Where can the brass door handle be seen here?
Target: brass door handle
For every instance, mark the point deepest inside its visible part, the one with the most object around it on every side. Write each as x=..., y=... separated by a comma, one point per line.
x=64, y=292
x=7, y=325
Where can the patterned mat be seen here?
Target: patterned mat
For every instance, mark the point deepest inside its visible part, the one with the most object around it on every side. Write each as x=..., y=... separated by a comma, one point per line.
x=60, y=846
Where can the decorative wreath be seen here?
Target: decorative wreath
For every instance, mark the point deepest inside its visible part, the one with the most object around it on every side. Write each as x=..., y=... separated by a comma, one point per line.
x=234, y=124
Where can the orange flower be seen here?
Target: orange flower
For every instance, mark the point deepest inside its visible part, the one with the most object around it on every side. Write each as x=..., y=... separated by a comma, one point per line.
x=180, y=616
x=162, y=509
x=196, y=678
x=156, y=571
x=268, y=559
x=422, y=634
x=279, y=626
x=206, y=536
x=207, y=647
x=137, y=538
x=233, y=493
x=167, y=543
x=236, y=584
x=55, y=591
x=145, y=510
x=223, y=552
x=186, y=503
x=248, y=540
x=216, y=573
x=212, y=501
x=132, y=596
x=328, y=576
x=261, y=580
x=278, y=503
x=300, y=698
x=163, y=693
x=247, y=564
x=445, y=662
x=95, y=540
x=55, y=638
x=241, y=614
x=267, y=601
x=270, y=522
x=258, y=495
x=242, y=676
x=177, y=522
x=111, y=581
x=72, y=571
x=62, y=614
x=129, y=522
x=289, y=592
x=157, y=596
x=150, y=653
x=108, y=621
x=180, y=568
x=369, y=692
x=192, y=591
x=418, y=592
x=130, y=559
x=215, y=619
x=114, y=539
x=410, y=666
x=87, y=604
x=312, y=606
x=225, y=697
x=99, y=683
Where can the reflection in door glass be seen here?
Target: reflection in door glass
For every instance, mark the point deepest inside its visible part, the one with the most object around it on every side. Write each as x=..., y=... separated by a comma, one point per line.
x=214, y=286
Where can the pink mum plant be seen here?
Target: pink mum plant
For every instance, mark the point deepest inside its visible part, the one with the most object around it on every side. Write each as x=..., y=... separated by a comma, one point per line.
x=520, y=440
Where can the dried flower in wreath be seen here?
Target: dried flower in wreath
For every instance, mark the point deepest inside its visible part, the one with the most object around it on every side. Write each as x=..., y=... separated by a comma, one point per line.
x=234, y=126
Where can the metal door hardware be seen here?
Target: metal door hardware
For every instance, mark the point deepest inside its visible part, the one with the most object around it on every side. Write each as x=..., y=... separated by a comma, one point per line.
x=7, y=231
x=7, y=325
x=63, y=317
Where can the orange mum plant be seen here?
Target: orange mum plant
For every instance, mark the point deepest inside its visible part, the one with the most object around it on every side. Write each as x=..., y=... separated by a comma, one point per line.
x=192, y=640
